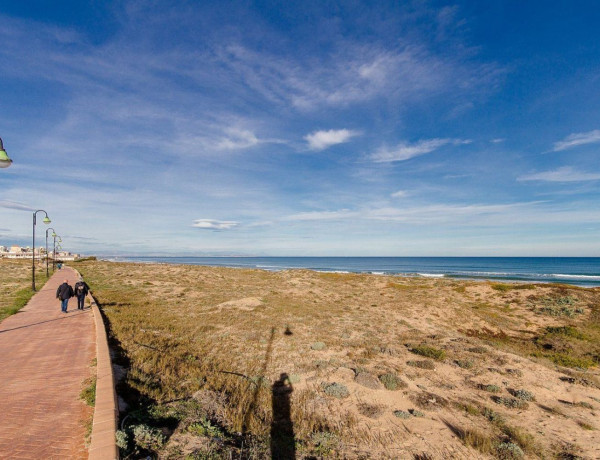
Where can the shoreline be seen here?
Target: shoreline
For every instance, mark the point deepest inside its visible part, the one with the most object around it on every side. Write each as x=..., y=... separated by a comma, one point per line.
x=582, y=281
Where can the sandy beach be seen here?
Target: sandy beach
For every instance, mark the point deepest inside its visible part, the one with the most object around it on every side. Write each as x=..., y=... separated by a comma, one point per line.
x=370, y=366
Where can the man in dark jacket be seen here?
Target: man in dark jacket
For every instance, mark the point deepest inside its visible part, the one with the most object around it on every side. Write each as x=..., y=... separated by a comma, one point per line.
x=81, y=290
x=64, y=293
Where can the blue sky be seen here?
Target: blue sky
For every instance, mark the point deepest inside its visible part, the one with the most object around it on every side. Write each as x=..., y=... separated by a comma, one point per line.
x=303, y=128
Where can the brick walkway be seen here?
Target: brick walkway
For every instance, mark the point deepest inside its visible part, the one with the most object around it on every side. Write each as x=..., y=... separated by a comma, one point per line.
x=44, y=357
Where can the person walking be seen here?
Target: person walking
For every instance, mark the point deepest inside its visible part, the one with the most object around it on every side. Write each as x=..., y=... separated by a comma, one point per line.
x=64, y=293
x=81, y=289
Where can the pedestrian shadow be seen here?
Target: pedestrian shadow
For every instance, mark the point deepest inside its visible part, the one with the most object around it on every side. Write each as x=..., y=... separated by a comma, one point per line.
x=283, y=441
x=73, y=315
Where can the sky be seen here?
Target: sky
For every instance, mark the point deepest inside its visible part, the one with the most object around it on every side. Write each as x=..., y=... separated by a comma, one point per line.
x=313, y=128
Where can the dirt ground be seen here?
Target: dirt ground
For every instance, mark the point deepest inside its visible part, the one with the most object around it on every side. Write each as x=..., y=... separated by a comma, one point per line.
x=366, y=366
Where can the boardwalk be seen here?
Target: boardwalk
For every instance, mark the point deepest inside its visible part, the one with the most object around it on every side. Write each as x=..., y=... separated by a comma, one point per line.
x=44, y=357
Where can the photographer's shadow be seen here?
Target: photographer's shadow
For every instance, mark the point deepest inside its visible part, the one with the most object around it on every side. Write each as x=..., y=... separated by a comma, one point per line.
x=283, y=442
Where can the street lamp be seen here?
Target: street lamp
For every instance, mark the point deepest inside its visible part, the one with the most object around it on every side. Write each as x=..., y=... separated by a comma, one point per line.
x=5, y=162
x=54, y=251
x=46, y=221
x=53, y=234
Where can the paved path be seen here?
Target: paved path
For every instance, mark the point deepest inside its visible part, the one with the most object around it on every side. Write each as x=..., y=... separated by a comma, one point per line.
x=44, y=357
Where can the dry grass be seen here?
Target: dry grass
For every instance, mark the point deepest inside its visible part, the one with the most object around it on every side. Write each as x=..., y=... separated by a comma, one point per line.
x=15, y=290
x=185, y=331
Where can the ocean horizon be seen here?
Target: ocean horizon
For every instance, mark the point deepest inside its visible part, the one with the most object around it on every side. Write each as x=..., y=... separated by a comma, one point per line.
x=578, y=271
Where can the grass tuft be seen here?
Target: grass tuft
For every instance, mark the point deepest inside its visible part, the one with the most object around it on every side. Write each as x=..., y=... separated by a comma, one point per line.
x=429, y=352
x=88, y=393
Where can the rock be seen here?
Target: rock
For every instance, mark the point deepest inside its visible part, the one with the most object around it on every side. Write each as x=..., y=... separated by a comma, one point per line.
x=368, y=380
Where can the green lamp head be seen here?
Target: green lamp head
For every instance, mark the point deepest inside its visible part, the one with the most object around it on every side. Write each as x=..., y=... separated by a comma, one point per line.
x=46, y=220
x=54, y=235
x=5, y=162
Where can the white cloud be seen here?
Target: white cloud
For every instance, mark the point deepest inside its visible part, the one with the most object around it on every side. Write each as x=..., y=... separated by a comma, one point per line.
x=405, y=151
x=320, y=140
x=15, y=205
x=564, y=174
x=575, y=139
x=237, y=139
x=498, y=140
x=399, y=194
x=211, y=224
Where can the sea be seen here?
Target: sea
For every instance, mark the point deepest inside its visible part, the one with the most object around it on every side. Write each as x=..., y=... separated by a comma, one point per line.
x=579, y=271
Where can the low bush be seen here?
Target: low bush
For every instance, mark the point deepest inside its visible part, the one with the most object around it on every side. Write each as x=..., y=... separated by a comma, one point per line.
x=478, y=349
x=465, y=363
x=337, y=390
x=392, y=382
x=423, y=364
x=147, y=437
x=489, y=388
x=509, y=451
x=523, y=395
x=511, y=403
x=429, y=352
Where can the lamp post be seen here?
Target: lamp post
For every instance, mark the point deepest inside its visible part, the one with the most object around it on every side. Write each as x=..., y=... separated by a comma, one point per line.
x=5, y=162
x=46, y=221
x=54, y=251
x=53, y=234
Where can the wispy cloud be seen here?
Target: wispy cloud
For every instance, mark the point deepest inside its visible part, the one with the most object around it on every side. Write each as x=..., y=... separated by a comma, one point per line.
x=400, y=194
x=405, y=151
x=322, y=215
x=320, y=140
x=576, y=139
x=15, y=205
x=212, y=224
x=564, y=174
x=237, y=139
x=464, y=215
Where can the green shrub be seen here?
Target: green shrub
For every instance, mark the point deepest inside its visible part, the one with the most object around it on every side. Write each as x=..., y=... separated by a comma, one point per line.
x=568, y=331
x=318, y=346
x=523, y=395
x=337, y=390
x=493, y=416
x=465, y=363
x=392, y=382
x=402, y=414
x=423, y=364
x=563, y=359
x=88, y=393
x=489, y=388
x=122, y=439
x=147, y=437
x=501, y=287
x=429, y=352
x=478, y=349
x=324, y=442
x=205, y=428
x=512, y=403
x=509, y=451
